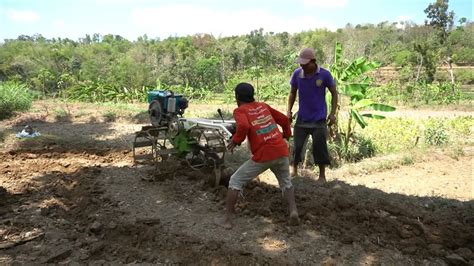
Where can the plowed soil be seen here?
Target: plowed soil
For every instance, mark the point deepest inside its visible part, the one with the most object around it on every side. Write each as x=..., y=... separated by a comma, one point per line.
x=73, y=195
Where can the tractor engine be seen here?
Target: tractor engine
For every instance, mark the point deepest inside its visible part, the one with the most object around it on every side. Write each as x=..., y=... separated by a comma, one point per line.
x=165, y=107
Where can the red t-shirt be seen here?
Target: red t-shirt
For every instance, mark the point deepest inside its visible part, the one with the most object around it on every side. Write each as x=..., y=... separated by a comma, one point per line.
x=258, y=121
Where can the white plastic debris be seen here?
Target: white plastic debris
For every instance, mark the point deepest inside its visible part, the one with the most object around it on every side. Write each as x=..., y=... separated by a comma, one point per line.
x=27, y=132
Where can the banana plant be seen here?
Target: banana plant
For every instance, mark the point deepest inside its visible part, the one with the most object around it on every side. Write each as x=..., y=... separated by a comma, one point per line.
x=352, y=81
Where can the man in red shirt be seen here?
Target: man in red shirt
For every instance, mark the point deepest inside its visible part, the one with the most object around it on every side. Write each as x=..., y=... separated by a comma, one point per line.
x=258, y=122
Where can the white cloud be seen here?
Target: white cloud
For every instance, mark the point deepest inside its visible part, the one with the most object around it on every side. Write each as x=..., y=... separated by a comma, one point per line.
x=22, y=15
x=325, y=3
x=188, y=19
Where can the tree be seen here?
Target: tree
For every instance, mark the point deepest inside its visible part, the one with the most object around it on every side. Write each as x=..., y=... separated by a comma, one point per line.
x=462, y=39
x=257, y=53
x=442, y=20
x=426, y=59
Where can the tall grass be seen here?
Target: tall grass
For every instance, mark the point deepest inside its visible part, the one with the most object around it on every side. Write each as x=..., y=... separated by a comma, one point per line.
x=101, y=92
x=14, y=97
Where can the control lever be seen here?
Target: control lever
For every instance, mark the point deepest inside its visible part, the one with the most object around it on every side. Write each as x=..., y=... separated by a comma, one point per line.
x=220, y=114
x=231, y=128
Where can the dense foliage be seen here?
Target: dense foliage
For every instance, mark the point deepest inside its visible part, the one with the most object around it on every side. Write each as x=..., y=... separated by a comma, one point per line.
x=98, y=68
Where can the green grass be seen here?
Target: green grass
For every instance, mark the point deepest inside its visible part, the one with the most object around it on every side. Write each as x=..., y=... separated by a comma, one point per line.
x=14, y=97
x=407, y=159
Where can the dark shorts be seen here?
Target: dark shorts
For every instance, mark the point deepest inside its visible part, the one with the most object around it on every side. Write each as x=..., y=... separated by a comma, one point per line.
x=318, y=132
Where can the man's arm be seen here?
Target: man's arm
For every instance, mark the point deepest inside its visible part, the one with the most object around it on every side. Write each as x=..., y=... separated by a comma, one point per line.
x=283, y=121
x=334, y=102
x=242, y=127
x=291, y=102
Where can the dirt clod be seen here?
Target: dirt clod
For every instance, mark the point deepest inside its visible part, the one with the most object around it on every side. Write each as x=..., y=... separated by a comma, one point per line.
x=455, y=259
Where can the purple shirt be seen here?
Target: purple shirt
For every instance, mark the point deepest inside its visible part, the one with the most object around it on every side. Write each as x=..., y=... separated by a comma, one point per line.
x=312, y=94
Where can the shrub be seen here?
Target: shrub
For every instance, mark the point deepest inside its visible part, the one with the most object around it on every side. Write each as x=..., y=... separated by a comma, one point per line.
x=455, y=152
x=358, y=148
x=391, y=91
x=366, y=147
x=435, y=132
x=62, y=115
x=13, y=97
x=109, y=116
x=407, y=160
x=464, y=76
x=274, y=88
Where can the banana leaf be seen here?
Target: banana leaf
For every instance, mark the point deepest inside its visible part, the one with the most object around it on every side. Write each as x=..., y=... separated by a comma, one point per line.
x=354, y=89
x=360, y=120
x=374, y=116
x=382, y=107
x=362, y=103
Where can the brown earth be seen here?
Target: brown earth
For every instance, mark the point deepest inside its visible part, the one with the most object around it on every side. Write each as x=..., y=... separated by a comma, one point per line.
x=74, y=196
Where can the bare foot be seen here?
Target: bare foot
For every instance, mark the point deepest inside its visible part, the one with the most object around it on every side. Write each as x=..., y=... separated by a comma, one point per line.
x=293, y=172
x=321, y=180
x=294, y=219
x=223, y=222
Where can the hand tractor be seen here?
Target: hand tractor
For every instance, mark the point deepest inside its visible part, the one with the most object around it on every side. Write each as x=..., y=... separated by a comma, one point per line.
x=196, y=142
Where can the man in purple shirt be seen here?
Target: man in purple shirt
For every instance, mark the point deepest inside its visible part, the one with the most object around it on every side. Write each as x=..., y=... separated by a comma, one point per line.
x=311, y=81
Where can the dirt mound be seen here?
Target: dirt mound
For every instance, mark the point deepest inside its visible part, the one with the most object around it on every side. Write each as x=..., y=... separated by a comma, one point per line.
x=422, y=227
x=60, y=199
x=76, y=222
x=415, y=226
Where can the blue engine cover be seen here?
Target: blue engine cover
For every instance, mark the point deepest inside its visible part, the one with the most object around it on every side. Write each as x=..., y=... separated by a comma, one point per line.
x=162, y=96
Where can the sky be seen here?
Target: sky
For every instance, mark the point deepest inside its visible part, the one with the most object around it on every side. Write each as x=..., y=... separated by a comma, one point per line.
x=164, y=18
